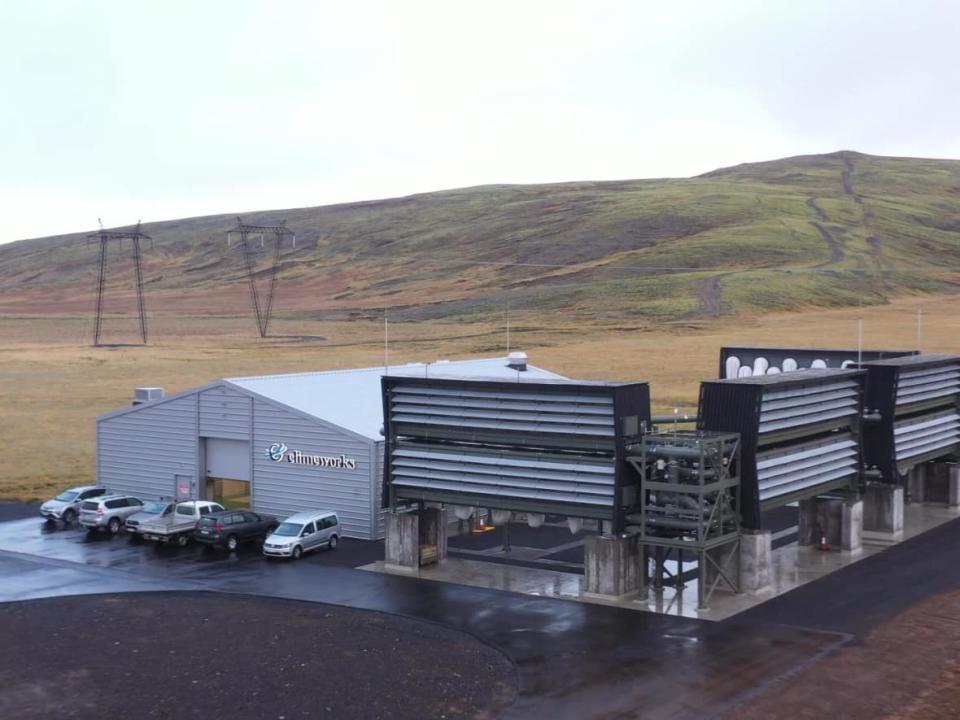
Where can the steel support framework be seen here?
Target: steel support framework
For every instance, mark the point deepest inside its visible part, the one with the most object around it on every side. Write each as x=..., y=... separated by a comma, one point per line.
x=261, y=311
x=688, y=502
x=106, y=237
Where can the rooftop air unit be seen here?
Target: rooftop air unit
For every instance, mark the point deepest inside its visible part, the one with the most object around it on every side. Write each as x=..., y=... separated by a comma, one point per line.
x=739, y=361
x=536, y=447
x=913, y=405
x=799, y=433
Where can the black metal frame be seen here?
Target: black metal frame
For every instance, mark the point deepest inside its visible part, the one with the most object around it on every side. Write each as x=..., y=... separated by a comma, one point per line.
x=734, y=405
x=776, y=355
x=630, y=400
x=880, y=401
x=262, y=313
x=105, y=237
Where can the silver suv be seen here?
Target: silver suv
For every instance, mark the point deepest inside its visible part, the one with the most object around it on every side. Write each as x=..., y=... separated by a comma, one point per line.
x=66, y=505
x=108, y=511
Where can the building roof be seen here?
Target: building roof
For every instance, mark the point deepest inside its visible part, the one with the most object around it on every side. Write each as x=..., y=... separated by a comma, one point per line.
x=352, y=398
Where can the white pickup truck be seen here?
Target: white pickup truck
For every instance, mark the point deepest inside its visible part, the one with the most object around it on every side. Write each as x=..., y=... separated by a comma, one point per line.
x=178, y=526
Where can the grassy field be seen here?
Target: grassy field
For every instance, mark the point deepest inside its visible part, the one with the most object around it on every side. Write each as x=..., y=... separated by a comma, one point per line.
x=54, y=384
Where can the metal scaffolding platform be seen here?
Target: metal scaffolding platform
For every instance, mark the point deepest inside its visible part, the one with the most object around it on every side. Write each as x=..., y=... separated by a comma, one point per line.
x=688, y=503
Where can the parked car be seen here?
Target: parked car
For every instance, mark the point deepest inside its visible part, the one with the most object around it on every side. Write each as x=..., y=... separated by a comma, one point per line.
x=66, y=505
x=108, y=512
x=151, y=510
x=229, y=528
x=177, y=526
x=302, y=533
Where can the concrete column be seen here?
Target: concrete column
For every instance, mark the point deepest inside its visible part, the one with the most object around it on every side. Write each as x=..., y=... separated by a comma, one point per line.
x=612, y=566
x=756, y=560
x=433, y=530
x=917, y=483
x=938, y=479
x=953, y=489
x=883, y=507
x=820, y=517
x=402, y=540
x=851, y=524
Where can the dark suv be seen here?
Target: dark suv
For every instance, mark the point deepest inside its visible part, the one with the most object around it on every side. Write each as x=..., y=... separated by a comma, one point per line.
x=229, y=528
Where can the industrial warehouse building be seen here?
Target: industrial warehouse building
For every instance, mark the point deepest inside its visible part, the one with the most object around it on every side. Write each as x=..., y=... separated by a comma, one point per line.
x=279, y=444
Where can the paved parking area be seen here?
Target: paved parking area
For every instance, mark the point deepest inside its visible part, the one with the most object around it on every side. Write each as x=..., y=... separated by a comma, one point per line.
x=572, y=660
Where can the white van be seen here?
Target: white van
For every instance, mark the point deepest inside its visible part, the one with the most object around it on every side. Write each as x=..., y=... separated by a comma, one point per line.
x=302, y=533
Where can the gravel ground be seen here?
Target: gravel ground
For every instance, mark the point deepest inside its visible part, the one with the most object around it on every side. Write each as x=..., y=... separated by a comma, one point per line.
x=185, y=655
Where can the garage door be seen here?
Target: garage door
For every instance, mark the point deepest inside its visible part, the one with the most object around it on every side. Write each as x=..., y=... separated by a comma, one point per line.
x=228, y=459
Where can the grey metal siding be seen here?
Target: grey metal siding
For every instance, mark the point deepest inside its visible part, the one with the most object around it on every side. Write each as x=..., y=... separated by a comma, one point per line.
x=141, y=452
x=225, y=413
x=378, y=489
x=283, y=488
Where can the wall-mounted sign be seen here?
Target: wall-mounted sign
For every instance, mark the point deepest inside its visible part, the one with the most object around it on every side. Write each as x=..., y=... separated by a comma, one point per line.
x=279, y=452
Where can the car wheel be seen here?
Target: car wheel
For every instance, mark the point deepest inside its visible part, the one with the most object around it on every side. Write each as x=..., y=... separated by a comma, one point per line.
x=182, y=540
x=68, y=517
x=232, y=543
x=114, y=526
x=333, y=542
x=297, y=552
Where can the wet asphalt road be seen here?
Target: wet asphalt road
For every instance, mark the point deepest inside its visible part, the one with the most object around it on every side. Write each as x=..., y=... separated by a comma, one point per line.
x=574, y=660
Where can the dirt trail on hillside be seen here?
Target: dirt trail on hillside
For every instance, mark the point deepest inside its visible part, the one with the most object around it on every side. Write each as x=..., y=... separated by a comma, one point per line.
x=821, y=213
x=711, y=296
x=837, y=254
x=868, y=217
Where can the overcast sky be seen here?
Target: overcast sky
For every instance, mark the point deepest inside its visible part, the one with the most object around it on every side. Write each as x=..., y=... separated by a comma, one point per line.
x=159, y=110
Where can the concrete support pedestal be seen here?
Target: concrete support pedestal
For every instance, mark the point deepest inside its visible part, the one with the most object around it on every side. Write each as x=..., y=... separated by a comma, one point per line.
x=433, y=530
x=917, y=484
x=840, y=520
x=756, y=560
x=612, y=566
x=942, y=484
x=883, y=508
x=402, y=540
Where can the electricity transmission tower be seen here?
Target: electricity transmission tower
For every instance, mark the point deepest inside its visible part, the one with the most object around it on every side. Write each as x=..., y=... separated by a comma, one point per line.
x=106, y=237
x=261, y=310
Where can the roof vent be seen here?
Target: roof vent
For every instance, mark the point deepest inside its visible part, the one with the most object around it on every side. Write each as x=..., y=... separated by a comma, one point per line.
x=517, y=361
x=145, y=395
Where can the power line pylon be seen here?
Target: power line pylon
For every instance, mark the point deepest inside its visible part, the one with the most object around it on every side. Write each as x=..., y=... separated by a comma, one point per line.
x=261, y=311
x=105, y=237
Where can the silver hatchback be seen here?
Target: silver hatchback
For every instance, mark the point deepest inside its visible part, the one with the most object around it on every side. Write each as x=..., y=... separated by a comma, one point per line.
x=108, y=512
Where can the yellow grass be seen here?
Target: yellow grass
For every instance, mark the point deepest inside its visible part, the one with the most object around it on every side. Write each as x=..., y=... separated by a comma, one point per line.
x=53, y=384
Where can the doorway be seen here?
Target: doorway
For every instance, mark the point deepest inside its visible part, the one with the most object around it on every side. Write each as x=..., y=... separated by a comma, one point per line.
x=229, y=493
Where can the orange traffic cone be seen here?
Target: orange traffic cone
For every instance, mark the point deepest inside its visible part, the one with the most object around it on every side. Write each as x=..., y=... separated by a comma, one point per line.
x=824, y=545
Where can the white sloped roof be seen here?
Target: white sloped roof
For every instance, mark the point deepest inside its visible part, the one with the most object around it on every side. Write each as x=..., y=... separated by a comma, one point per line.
x=352, y=398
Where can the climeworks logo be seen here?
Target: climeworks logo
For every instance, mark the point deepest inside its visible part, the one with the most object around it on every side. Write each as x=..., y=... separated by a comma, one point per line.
x=276, y=452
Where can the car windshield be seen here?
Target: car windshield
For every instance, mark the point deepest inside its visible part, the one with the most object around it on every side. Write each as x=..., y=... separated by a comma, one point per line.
x=67, y=496
x=154, y=508
x=288, y=529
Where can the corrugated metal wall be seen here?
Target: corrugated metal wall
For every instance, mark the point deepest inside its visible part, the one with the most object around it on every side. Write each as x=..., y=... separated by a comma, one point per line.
x=140, y=452
x=283, y=488
x=225, y=413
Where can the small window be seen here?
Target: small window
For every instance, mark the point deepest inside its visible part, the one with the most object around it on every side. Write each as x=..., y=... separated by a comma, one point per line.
x=250, y=517
x=185, y=510
x=134, y=502
x=309, y=529
x=205, y=510
x=90, y=505
x=112, y=504
x=330, y=521
x=236, y=518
